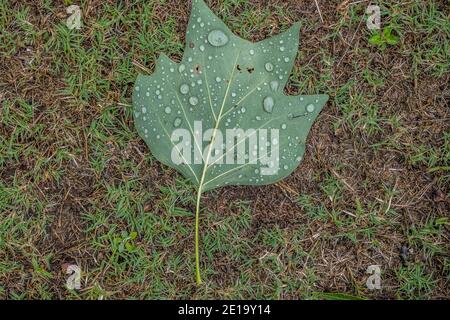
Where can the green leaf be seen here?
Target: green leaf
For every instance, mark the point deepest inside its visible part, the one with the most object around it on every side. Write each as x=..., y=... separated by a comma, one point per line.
x=375, y=39
x=235, y=100
x=133, y=235
x=390, y=37
x=228, y=91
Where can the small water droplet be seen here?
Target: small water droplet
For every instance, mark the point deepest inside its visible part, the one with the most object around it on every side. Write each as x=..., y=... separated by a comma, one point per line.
x=283, y=126
x=184, y=88
x=202, y=48
x=285, y=167
x=177, y=122
x=181, y=68
x=268, y=104
x=167, y=110
x=218, y=79
x=193, y=101
x=268, y=66
x=286, y=59
x=252, y=52
x=137, y=88
x=274, y=85
x=217, y=38
x=310, y=108
x=274, y=141
x=144, y=109
x=282, y=48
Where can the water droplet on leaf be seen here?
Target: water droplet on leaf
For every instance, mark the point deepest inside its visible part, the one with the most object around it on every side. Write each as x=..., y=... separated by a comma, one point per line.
x=268, y=104
x=193, y=101
x=310, y=108
x=177, y=122
x=184, y=88
x=217, y=38
x=274, y=85
x=268, y=66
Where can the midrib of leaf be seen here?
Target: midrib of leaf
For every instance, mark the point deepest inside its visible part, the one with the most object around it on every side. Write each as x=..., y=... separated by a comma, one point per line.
x=219, y=118
x=205, y=168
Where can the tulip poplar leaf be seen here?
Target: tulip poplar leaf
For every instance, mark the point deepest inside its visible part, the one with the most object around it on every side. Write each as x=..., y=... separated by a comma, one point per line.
x=225, y=84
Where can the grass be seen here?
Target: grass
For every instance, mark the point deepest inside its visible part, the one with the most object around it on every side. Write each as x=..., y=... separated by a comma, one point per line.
x=77, y=184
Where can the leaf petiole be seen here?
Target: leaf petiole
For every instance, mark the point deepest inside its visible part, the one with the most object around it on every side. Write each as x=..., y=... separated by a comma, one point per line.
x=197, y=255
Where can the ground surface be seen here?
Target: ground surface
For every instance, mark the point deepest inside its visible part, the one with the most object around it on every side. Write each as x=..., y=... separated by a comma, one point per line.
x=78, y=185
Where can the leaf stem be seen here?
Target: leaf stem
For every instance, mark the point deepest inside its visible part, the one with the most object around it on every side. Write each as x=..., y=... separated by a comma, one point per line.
x=197, y=255
x=202, y=179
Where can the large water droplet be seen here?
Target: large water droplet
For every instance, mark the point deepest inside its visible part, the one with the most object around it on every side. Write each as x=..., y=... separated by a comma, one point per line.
x=167, y=110
x=184, y=88
x=268, y=104
x=310, y=108
x=274, y=85
x=193, y=101
x=177, y=122
x=217, y=38
x=181, y=68
x=268, y=66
